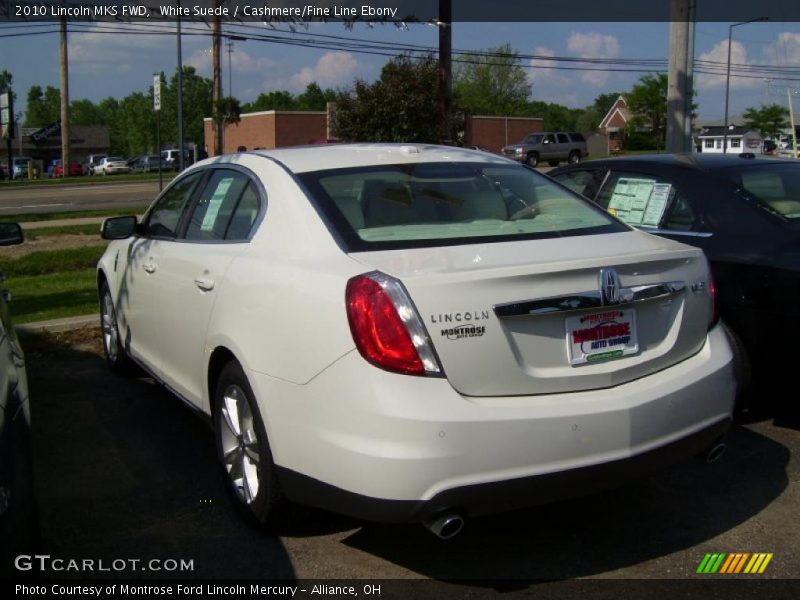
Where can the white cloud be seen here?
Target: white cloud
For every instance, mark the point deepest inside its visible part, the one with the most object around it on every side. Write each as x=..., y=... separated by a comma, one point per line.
x=719, y=55
x=785, y=51
x=333, y=69
x=593, y=45
x=112, y=47
x=540, y=75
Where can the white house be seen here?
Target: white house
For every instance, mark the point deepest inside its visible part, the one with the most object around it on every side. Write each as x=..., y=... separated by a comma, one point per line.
x=740, y=139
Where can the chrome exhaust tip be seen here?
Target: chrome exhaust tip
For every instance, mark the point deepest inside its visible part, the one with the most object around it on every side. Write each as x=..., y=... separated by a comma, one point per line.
x=715, y=452
x=445, y=526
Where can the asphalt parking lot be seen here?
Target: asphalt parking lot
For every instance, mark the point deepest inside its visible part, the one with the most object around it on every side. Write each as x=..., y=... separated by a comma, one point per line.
x=124, y=470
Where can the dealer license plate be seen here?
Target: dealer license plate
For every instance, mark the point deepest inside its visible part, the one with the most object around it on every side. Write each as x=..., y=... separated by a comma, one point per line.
x=601, y=335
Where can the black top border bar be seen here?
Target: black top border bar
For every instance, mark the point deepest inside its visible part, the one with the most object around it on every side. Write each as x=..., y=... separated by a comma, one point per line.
x=397, y=11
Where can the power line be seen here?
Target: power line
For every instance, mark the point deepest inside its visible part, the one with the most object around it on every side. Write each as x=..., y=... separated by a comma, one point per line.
x=390, y=49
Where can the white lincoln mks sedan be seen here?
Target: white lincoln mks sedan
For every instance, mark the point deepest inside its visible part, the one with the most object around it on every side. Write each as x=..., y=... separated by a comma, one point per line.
x=415, y=333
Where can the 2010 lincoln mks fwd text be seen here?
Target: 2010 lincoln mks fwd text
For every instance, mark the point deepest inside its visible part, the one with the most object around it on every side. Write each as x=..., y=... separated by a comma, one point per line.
x=415, y=333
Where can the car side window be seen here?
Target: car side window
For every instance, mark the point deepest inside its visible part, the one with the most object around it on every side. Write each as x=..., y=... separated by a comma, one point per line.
x=549, y=139
x=562, y=138
x=245, y=214
x=644, y=200
x=215, y=206
x=163, y=219
x=585, y=182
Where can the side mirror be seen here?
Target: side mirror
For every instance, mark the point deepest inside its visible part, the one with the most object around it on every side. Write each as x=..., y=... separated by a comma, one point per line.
x=10, y=234
x=118, y=228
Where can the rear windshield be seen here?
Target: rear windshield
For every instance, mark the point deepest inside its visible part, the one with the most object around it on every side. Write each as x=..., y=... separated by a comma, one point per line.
x=775, y=185
x=442, y=204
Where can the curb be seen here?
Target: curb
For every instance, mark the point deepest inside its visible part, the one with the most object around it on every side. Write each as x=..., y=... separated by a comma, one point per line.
x=57, y=325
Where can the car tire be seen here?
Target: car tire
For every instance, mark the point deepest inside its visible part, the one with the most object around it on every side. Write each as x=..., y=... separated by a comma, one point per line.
x=553, y=163
x=742, y=371
x=116, y=356
x=574, y=157
x=243, y=448
x=532, y=159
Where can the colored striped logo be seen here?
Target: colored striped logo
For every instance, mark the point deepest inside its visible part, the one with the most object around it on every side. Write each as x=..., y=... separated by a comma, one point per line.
x=734, y=563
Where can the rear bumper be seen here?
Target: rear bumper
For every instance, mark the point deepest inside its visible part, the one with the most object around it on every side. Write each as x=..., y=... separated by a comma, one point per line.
x=498, y=496
x=389, y=447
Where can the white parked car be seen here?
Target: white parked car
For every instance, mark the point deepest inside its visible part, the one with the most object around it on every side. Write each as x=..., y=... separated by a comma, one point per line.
x=415, y=333
x=110, y=165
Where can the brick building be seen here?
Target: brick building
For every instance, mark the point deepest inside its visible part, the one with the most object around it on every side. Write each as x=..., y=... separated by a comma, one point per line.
x=614, y=123
x=492, y=133
x=44, y=144
x=270, y=129
x=276, y=129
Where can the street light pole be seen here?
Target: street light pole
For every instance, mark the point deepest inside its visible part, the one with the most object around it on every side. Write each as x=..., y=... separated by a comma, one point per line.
x=728, y=78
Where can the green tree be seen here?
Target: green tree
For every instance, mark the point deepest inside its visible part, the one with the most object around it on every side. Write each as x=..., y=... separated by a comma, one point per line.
x=401, y=106
x=43, y=108
x=603, y=103
x=648, y=102
x=769, y=120
x=85, y=112
x=276, y=100
x=134, y=129
x=197, y=104
x=588, y=120
x=314, y=98
x=555, y=116
x=492, y=83
x=6, y=79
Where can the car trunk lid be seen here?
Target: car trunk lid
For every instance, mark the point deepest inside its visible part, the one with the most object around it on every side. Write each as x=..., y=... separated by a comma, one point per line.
x=518, y=318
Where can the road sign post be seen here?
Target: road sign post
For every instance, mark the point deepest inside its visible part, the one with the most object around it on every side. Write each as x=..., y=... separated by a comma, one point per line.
x=157, y=109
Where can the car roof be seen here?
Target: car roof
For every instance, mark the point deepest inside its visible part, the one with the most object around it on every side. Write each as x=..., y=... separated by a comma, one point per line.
x=301, y=159
x=701, y=162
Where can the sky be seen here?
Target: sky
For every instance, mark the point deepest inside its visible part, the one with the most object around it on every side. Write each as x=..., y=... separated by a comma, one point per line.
x=103, y=63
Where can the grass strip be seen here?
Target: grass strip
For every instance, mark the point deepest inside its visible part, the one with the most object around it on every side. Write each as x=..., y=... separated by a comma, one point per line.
x=86, y=179
x=53, y=296
x=77, y=214
x=41, y=232
x=46, y=262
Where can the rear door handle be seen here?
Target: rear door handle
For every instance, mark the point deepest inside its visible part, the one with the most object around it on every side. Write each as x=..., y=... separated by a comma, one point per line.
x=204, y=283
x=149, y=267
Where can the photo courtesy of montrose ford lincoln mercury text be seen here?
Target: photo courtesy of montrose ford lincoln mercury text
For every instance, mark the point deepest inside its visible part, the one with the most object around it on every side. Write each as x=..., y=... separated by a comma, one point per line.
x=415, y=333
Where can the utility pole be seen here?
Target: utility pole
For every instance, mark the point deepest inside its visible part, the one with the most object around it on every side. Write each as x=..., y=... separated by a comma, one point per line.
x=680, y=84
x=181, y=162
x=64, y=100
x=445, y=70
x=216, y=93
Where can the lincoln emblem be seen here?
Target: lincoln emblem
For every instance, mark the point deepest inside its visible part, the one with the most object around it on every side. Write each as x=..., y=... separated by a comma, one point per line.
x=609, y=286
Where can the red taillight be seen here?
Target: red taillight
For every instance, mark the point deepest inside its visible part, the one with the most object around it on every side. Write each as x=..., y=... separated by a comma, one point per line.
x=387, y=328
x=712, y=293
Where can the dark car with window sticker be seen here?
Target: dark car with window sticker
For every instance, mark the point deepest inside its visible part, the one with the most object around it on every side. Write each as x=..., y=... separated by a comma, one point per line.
x=744, y=212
